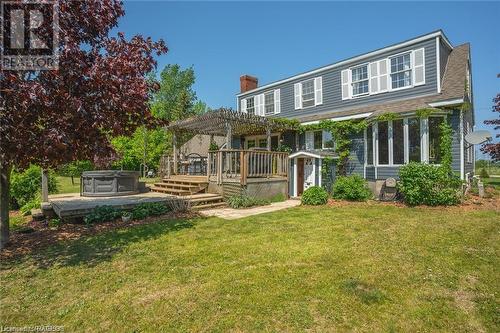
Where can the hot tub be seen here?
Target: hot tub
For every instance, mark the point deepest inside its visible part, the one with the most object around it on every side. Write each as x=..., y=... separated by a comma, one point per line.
x=108, y=183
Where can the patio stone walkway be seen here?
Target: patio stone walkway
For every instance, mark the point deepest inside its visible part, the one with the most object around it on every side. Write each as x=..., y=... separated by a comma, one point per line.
x=233, y=214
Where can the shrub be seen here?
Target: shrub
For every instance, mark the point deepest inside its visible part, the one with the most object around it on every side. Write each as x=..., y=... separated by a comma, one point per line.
x=32, y=204
x=484, y=174
x=314, y=195
x=102, y=214
x=146, y=209
x=353, y=188
x=25, y=185
x=429, y=185
x=243, y=201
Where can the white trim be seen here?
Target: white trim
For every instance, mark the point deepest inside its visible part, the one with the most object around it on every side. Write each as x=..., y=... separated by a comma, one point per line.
x=306, y=154
x=356, y=116
x=355, y=59
x=448, y=102
x=438, y=64
x=314, y=172
x=365, y=152
x=406, y=138
x=461, y=128
x=295, y=178
x=319, y=170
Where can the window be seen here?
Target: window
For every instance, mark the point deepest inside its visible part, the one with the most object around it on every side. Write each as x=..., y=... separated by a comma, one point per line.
x=250, y=144
x=398, y=147
x=359, y=80
x=318, y=140
x=269, y=102
x=251, y=105
x=383, y=142
x=414, y=139
x=308, y=93
x=401, y=71
x=369, y=144
x=262, y=143
x=435, y=139
x=328, y=142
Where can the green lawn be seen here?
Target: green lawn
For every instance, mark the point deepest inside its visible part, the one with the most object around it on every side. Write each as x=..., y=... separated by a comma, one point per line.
x=367, y=267
x=492, y=181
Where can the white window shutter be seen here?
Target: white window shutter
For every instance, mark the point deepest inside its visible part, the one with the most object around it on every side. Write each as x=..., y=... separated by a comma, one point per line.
x=309, y=140
x=277, y=102
x=261, y=109
x=318, y=91
x=418, y=67
x=345, y=80
x=373, y=75
x=383, y=75
x=297, y=88
x=243, y=107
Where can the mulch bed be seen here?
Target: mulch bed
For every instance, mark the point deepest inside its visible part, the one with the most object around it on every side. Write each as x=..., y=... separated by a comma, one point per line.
x=38, y=235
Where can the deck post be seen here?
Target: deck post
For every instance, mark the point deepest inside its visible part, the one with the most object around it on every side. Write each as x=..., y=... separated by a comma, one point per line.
x=229, y=137
x=174, y=143
x=268, y=134
x=45, y=186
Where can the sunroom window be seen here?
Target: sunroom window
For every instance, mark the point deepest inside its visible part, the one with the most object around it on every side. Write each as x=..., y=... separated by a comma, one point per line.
x=269, y=102
x=398, y=147
x=318, y=140
x=435, y=139
x=383, y=142
x=308, y=93
x=359, y=80
x=401, y=71
x=414, y=139
x=369, y=144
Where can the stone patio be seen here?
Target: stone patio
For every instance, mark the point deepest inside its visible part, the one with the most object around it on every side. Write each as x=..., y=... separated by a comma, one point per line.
x=233, y=214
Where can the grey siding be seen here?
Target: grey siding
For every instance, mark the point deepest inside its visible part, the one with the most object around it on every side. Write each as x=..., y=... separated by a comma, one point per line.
x=444, y=53
x=328, y=178
x=370, y=173
x=317, y=162
x=332, y=98
x=388, y=172
x=454, y=120
x=357, y=158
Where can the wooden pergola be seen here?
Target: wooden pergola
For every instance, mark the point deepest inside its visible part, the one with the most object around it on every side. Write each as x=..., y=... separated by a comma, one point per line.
x=227, y=122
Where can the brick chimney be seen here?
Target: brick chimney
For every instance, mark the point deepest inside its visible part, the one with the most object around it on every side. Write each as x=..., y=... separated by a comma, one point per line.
x=247, y=83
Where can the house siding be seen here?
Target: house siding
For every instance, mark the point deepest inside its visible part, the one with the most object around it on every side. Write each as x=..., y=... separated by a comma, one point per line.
x=332, y=97
x=454, y=120
x=370, y=172
x=356, y=165
x=444, y=53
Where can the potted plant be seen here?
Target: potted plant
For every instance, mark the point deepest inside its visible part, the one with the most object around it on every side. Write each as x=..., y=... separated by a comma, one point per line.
x=126, y=217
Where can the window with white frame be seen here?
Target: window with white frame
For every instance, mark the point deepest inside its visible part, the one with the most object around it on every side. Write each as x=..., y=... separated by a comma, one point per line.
x=359, y=80
x=251, y=105
x=308, y=93
x=401, y=71
x=269, y=102
x=369, y=145
x=318, y=140
x=398, y=147
x=414, y=152
x=328, y=142
x=383, y=143
x=435, y=139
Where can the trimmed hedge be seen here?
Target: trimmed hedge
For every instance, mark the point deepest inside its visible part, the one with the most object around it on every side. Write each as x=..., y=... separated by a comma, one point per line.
x=314, y=196
x=353, y=188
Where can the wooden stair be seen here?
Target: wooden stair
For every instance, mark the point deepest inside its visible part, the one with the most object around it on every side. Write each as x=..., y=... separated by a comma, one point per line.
x=181, y=185
x=205, y=200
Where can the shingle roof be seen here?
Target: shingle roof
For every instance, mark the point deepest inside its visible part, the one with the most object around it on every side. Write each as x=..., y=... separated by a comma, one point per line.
x=452, y=87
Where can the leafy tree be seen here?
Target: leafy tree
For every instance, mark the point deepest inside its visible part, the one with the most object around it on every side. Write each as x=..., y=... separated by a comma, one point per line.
x=493, y=149
x=99, y=91
x=75, y=169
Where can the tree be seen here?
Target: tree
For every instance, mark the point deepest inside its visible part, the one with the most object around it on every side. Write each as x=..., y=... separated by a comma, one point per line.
x=493, y=149
x=75, y=169
x=99, y=91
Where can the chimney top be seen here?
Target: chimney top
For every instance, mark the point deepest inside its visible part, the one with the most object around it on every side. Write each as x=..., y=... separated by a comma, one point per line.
x=247, y=83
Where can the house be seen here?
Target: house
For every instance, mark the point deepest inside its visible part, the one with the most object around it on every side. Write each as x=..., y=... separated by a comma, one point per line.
x=426, y=72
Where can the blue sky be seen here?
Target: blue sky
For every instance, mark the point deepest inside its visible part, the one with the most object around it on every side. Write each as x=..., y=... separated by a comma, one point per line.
x=273, y=40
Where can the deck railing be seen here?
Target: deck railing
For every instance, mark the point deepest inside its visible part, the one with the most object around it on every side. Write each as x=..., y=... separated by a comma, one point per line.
x=239, y=165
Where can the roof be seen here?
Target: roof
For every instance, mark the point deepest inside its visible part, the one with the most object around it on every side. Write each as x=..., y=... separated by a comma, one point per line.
x=411, y=41
x=452, y=90
x=314, y=154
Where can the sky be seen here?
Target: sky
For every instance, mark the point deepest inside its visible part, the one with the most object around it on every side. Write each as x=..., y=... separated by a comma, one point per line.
x=274, y=40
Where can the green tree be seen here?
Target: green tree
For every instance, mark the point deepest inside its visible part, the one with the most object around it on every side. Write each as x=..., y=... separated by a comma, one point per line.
x=75, y=169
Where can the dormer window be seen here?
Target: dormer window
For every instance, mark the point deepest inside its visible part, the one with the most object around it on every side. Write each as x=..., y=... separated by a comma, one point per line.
x=360, y=80
x=401, y=71
x=308, y=93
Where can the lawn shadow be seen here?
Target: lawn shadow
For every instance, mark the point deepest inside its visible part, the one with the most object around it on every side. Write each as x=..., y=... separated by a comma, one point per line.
x=94, y=249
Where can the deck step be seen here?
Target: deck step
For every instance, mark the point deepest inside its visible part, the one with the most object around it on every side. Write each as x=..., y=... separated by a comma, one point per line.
x=169, y=191
x=176, y=185
x=205, y=199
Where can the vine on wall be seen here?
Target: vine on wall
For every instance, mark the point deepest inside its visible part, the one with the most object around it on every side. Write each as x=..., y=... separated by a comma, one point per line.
x=446, y=138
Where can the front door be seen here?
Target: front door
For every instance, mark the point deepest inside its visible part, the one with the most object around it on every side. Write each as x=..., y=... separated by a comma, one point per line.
x=308, y=173
x=300, y=176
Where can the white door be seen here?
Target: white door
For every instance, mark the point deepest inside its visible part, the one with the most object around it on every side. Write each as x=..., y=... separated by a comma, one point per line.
x=308, y=173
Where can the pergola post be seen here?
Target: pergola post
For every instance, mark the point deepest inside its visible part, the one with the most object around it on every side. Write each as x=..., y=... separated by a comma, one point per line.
x=268, y=134
x=229, y=136
x=174, y=144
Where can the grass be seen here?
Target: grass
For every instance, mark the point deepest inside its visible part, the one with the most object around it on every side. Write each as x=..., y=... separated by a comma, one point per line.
x=364, y=267
x=495, y=182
